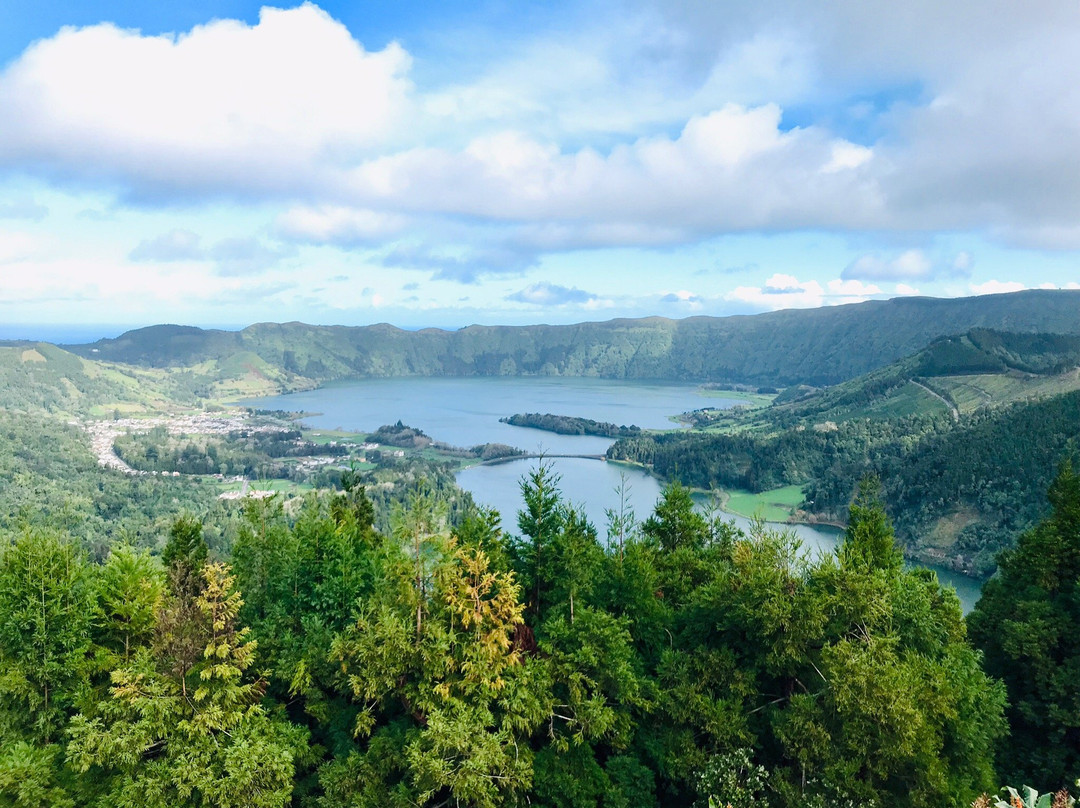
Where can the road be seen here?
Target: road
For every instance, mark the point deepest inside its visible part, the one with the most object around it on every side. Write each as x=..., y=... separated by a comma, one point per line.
x=955, y=412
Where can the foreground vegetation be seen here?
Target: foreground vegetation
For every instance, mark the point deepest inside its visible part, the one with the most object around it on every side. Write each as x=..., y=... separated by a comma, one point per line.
x=320, y=662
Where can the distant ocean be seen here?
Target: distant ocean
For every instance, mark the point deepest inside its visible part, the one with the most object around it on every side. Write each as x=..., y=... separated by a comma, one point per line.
x=70, y=333
x=77, y=334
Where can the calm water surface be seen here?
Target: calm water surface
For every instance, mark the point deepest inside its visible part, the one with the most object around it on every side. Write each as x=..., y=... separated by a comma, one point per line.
x=466, y=412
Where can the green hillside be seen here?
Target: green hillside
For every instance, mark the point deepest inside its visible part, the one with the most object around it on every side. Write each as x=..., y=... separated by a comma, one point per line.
x=967, y=372
x=36, y=376
x=965, y=435
x=814, y=346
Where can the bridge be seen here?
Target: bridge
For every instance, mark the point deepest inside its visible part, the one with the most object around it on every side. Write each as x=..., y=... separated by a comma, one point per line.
x=542, y=455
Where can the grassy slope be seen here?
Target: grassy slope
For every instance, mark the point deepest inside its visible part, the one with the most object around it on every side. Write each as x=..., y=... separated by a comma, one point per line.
x=979, y=369
x=776, y=505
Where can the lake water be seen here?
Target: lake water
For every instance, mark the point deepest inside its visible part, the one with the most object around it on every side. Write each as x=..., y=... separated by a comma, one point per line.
x=466, y=412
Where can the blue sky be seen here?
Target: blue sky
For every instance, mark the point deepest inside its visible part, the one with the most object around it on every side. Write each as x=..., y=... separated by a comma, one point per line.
x=222, y=163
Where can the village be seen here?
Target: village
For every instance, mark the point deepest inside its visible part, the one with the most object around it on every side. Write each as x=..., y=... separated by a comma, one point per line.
x=103, y=435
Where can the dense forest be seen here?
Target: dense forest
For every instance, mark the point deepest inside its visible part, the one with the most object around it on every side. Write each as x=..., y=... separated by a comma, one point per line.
x=570, y=425
x=990, y=470
x=317, y=661
x=381, y=641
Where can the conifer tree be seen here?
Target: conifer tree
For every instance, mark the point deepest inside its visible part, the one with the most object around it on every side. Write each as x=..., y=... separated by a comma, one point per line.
x=1027, y=622
x=164, y=736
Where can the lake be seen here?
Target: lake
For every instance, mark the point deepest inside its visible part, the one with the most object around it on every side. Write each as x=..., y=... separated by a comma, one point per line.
x=466, y=412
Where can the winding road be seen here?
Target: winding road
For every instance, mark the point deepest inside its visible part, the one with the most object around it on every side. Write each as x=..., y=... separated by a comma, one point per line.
x=955, y=412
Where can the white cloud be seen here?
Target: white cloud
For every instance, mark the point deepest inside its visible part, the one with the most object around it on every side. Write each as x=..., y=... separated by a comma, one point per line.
x=962, y=263
x=226, y=107
x=294, y=106
x=847, y=155
x=782, y=291
x=237, y=255
x=551, y=294
x=681, y=296
x=176, y=245
x=336, y=224
x=910, y=265
x=995, y=287
x=731, y=169
x=904, y=290
x=15, y=246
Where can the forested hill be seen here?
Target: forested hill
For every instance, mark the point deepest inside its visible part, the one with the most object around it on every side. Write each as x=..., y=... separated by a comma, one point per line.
x=965, y=372
x=811, y=346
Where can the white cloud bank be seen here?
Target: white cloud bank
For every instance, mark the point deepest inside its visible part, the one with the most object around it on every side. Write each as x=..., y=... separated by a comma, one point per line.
x=226, y=107
x=782, y=291
x=295, y=107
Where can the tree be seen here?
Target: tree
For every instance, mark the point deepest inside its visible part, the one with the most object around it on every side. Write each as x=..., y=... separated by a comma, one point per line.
x=180, y=626
x=165, y=737
x=130, y=587
x=445, y=713
x=1026, y=624
x=46, y=608
x=538, y=522
x=675, y=524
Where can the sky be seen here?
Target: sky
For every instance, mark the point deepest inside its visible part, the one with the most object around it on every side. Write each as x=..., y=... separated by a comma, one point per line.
x=443, y=164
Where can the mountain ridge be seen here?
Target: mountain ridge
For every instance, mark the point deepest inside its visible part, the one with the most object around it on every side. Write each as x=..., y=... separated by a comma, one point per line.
x=820, y=346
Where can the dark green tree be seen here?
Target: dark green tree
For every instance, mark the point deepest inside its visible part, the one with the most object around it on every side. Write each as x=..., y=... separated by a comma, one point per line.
x=46, y=609
x=539, y=522
x=1027, y=625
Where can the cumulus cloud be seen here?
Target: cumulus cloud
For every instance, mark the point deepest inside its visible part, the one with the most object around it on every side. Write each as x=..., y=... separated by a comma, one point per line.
x=551, y=294
x=464, y=264
x=295, y=106
x=783, y=291
x=225, y=107
x=231, y=257
x=336, y=224
x=245, y=256
x=682, y=296
x=996, y=287
x=910, y=265
x=695, y=183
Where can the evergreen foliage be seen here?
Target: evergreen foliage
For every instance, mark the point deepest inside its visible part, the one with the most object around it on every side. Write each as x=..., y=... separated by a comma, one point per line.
x=329, y=664
x=1026, y=623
